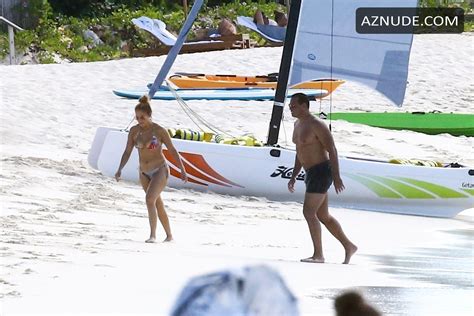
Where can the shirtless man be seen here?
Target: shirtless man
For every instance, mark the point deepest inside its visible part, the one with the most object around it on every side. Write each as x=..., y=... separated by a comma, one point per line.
x=316, y=153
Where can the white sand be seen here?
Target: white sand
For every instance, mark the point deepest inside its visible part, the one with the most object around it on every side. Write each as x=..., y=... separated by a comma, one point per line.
x=72, y=240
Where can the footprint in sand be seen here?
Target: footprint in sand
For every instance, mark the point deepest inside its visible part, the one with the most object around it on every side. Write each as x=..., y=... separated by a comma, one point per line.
x=5, y=282
x=103, y=265
x=252, y=199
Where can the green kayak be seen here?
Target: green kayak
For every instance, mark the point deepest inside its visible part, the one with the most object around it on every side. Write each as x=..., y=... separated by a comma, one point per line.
x=428, y=123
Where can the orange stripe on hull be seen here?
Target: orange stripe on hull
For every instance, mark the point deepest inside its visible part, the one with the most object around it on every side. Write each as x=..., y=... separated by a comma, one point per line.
x=198, y=174
x=199, y=168
x=199, y=162
x=177, y=174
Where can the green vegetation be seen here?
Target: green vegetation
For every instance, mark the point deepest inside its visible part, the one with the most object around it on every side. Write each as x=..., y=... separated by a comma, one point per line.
x=464, y=4
x=60, y=25
x=62, y=35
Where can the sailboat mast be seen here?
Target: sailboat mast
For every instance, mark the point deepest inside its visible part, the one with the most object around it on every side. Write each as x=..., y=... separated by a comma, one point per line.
x=174, y=51
x=284, y=73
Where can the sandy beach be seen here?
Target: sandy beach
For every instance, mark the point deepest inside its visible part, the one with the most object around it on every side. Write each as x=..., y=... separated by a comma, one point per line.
x=72, y=239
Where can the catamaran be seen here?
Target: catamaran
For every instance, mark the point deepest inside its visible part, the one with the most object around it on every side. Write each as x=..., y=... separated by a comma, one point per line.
x=321, y=42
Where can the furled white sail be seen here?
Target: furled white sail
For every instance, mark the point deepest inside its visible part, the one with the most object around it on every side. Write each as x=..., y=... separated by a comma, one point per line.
x=327, y=45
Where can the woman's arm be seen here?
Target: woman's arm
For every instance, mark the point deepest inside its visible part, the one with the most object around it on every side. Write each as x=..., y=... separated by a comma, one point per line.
x=166, y=139
x=126, y=154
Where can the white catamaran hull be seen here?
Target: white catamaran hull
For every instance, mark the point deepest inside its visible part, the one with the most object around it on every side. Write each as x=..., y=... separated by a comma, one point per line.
x=265, y=171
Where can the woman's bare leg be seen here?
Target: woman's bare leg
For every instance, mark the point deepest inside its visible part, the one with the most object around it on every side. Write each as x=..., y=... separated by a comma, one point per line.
x=163, y=217
x=155, y=187
x=336, y=230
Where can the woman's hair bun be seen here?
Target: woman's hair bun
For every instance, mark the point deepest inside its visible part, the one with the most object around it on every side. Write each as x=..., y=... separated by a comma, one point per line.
x=144, y=99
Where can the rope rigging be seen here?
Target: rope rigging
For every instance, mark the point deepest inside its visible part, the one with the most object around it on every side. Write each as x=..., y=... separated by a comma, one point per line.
x=191, y=113
x=197, y=119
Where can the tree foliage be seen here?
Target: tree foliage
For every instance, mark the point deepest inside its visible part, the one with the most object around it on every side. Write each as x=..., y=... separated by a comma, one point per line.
x=97, y=8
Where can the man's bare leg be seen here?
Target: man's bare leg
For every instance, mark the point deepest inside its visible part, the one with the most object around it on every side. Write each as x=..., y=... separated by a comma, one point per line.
x=335, y=229
x=312, y=202
x=258, y=17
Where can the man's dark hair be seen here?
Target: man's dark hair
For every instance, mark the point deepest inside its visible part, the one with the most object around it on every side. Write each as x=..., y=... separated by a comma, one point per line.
x=353, y=304
x=301, y=98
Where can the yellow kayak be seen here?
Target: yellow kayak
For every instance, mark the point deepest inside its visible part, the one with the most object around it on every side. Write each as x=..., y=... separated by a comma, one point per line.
x=202, y=81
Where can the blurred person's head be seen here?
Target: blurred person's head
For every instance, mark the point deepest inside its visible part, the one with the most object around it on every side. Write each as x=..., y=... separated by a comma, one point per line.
x=226, y=27
x=353, y=304
x=280, y=18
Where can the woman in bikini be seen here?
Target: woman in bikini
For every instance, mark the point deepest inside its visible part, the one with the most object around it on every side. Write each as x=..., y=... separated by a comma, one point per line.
x=148, y=138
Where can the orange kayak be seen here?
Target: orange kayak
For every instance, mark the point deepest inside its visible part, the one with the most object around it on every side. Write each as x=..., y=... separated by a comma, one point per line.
x=202, y=81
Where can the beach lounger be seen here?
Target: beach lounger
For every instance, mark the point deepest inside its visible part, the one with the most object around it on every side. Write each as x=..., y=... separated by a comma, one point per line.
x=158, y=29
x=271, y=33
